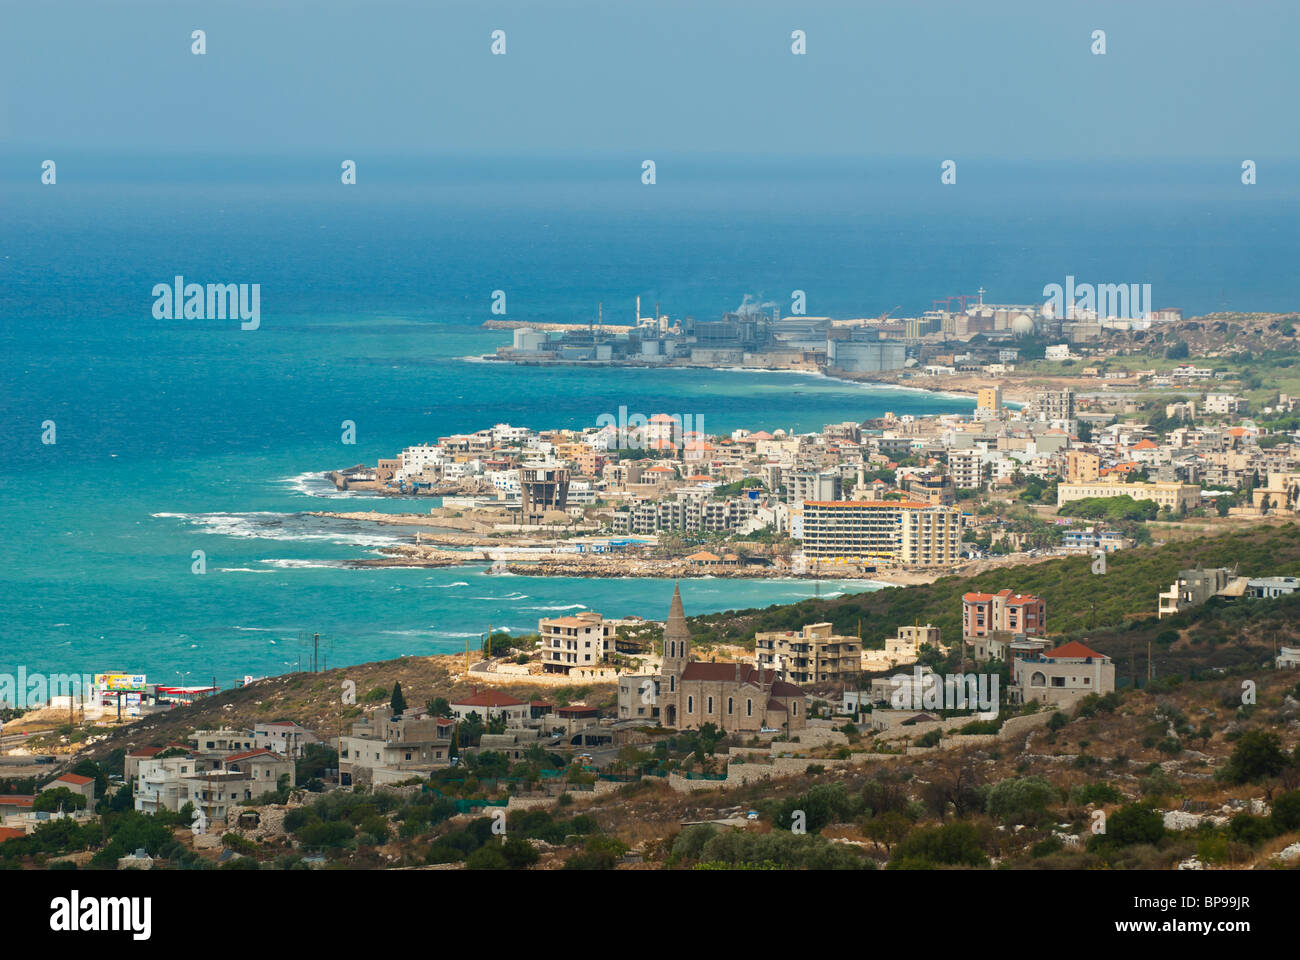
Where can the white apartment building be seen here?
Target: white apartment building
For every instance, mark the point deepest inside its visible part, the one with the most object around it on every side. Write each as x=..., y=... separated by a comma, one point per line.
x=966, y=468
x=892, y=531
x=1225, y=404
x=582, y=640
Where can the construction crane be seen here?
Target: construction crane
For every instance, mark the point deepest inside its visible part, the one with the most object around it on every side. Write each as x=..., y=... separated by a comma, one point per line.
x=885, y=316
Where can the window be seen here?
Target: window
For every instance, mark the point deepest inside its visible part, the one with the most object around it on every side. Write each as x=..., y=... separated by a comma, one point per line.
x=710, y=706
x=794, y=708
x=690, y=704
x=730, y=706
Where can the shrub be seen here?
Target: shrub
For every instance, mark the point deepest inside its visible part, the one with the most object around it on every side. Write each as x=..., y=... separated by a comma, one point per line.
x=1099, y=792
x=1023, y=800
x=950, y=845
x=1286, y=812
x=1134, y=824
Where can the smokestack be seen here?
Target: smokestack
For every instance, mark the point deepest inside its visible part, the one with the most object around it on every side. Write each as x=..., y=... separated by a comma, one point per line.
x=638, y=309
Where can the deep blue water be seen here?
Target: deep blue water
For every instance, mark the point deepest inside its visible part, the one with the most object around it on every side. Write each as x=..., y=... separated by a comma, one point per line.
x=177, y=435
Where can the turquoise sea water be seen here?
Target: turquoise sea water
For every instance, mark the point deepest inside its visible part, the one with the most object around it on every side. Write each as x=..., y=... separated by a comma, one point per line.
x=175, y=436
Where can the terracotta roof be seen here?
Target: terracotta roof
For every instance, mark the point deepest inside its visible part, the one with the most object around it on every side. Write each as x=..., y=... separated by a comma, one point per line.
x=776, y=705
x=16, y=800
x=704, y=556
x=489, y=698
x=145, y=752
x=726, y=671
x=1074, y=650
x=572, y=622
x=76, y=778
x=9, y=833
x=1012, y=599
x=249, y=753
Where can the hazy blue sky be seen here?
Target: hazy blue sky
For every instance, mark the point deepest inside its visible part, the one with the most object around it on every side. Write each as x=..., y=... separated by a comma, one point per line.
x=914, y=78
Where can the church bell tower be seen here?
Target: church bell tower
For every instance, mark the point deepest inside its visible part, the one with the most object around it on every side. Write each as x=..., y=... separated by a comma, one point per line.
x=677, y=638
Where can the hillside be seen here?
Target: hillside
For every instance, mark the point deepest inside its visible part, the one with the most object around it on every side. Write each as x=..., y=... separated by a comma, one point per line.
x=1077, y=600
x=315, y=700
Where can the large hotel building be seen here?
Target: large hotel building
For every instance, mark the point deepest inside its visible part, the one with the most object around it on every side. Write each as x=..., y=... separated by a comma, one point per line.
x=890, y=531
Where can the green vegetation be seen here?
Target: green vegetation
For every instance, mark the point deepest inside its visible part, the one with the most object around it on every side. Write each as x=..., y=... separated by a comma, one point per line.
x=1074, y=595
x=1114, y=509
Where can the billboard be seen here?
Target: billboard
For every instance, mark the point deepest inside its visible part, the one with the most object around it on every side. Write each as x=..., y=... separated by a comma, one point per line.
x=120, y=682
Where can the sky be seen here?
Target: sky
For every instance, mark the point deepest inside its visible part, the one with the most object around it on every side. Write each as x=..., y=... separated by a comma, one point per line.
x=1180, y=78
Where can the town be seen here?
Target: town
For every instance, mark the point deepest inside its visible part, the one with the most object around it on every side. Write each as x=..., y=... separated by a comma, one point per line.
x=1153, y=453
x=592, y=715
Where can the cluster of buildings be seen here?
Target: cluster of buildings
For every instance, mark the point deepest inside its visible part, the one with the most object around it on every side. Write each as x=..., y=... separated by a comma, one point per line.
x=1195, y=587
x=863, y=495
x=757, y=333
x=1011, y=627
x=217, y=770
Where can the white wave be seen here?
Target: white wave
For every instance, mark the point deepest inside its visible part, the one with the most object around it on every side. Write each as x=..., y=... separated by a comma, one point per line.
x=278, y=526
x=256, y=629
x=448, y=586
x=242, y=570
x=314, y=484
x=513, y=597
x=570, y=606
x=304, y=564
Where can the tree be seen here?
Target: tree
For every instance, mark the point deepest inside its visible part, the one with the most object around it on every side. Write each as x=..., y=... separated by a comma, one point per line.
x=1286, y=812
x=1135, y=823
x=887, y=829
x=955, y=843
x=439, y=707
x=519, y=853
x=1257, y=756
x=487, y=857
x=60, y=798
x=398, y=702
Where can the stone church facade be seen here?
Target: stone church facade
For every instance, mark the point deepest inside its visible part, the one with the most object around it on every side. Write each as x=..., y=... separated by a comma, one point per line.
x=737, y=697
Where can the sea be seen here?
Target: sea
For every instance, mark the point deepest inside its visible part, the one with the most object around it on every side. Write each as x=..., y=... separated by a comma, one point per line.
x=176, y=436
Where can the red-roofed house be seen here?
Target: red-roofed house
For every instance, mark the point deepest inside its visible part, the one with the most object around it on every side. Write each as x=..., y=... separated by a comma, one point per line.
x=75, y=783
x=983, y=614
x=264, y=767
x=1062, y=676
x=491, y=703
x=11, y=803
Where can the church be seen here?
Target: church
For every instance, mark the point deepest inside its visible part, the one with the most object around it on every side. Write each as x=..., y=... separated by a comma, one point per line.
x=737, y=697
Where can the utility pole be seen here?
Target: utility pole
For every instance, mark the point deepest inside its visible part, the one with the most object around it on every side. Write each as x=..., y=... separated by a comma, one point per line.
x=1148, y=663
